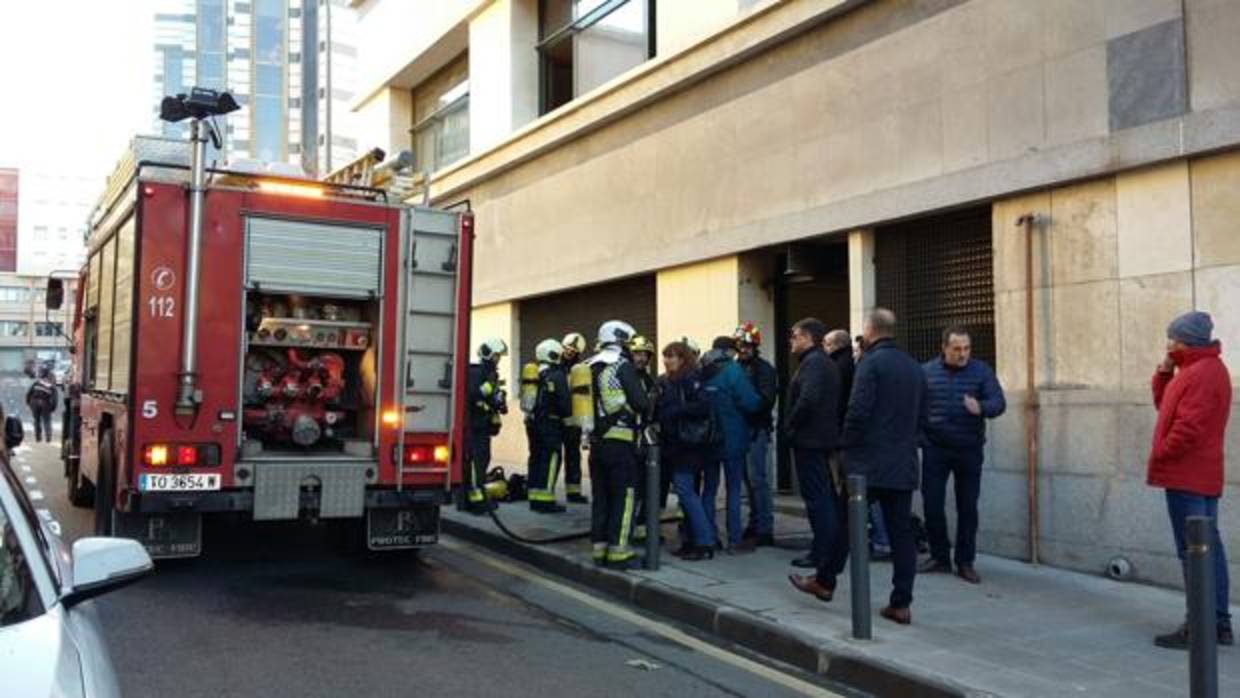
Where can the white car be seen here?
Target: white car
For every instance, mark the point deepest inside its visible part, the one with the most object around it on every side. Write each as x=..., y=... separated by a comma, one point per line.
x=50, y=642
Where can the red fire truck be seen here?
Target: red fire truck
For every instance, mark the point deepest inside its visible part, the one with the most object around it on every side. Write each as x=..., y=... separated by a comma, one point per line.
x=273, y=347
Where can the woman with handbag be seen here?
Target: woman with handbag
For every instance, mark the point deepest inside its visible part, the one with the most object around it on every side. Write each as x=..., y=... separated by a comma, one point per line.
x=687, y=434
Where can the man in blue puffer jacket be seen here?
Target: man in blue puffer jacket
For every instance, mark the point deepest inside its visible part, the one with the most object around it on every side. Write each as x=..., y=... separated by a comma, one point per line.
x=963, y=394
x=732, y=397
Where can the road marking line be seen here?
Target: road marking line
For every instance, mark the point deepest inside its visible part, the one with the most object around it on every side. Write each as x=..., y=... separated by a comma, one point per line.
x=26, y=469
x=31, y=481
x=36, y=495
x=677, y=636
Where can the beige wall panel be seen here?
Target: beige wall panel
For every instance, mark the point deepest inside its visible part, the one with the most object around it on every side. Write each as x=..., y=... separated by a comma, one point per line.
x=965, y=140
x=919, y=141
x=1072, y=25
x=1085, y=326
x=1153, y=213
x=1076, y=96
x=1147, y=305
x=681, y=23
x=1213, y=30
x=756, y=295
x=862, y=295
x=1082, y=235
x=1009, y=242
x=1013, y=34
x=699, y=300
x=1017, y=111
x=1216, y=209
x=963, y=47
x=1127, y=16
x=1218, y=293
x=1010, y=338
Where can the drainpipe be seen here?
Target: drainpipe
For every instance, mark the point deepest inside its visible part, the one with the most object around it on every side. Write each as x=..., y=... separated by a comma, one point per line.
x=188, y=394
x=1029, y=221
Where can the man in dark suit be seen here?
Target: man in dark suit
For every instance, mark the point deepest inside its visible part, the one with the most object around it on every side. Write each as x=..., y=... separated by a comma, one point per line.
x=811, y=427
x=886, y=416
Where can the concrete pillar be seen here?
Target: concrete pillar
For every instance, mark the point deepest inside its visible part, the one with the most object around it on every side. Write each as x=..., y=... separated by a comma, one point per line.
x=503, y=71
x=700, y=301
x=862, y=295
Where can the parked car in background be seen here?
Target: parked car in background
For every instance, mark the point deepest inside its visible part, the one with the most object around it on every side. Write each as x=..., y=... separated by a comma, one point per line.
x=50, y=641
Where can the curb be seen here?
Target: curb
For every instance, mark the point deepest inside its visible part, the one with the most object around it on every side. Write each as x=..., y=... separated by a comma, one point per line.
x=731, y=624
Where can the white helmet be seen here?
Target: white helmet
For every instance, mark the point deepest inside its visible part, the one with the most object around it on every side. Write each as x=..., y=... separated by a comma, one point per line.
x=492, y=349
x=615, y=332
x=574, y=341
x=548, y=351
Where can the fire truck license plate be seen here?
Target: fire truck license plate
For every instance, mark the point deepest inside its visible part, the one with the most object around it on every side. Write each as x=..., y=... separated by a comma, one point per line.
x=150, y=482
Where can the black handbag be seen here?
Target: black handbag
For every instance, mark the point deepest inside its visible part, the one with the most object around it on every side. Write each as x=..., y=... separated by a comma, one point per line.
x=698, y=431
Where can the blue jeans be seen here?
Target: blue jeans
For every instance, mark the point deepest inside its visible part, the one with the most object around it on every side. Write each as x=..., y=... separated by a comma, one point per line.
x=878, y=529
x=733, y=474
x=1180, y=506
x=964, y=467
x=823, y=506
x=761, y=502
x=684, y=483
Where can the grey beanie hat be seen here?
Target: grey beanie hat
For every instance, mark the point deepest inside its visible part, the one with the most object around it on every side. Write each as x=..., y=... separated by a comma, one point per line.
x=1194, y=329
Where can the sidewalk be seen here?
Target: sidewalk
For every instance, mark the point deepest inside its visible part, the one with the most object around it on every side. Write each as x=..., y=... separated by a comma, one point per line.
x=1026, y=631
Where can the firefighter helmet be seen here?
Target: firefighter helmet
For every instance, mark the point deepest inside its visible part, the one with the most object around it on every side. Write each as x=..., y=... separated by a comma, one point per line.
x=615, y=332
x=492, y=349
x=693, y=346
x=640, y=344
x=549, y=351
x=575, y=342
x=747, y=333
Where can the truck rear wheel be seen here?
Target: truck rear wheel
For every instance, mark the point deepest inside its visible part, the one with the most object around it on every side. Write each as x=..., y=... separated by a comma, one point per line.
x=105, y=495
x=81, y=491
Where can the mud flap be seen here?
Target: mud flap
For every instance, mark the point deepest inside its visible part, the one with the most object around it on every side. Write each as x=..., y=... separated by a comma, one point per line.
x=165, y=535
x=397, y=529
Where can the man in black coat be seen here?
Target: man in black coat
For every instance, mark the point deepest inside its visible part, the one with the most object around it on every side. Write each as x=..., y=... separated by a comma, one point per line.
x=811, y=427
x=886, y=415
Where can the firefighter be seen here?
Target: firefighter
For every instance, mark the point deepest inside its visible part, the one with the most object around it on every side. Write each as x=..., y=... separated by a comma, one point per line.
x=619, y=402
x=553, y=404
x=487, y=404
x=573, y=346
x=642, y=351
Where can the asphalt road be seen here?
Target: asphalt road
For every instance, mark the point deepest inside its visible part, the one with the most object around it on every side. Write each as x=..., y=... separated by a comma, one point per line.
x=278, y=610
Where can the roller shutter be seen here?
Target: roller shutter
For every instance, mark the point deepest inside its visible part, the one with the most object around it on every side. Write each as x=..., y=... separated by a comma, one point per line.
x=584, y=309
x=936, y=272
x=303, y=257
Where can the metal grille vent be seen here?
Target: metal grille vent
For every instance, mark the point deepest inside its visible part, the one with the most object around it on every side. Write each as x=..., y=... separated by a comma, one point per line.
x=938, y=272
x=297, y=256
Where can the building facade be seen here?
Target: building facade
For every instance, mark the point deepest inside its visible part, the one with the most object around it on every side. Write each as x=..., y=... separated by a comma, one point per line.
x=291, y=65
x=10, y=190
x=51, y=233
x=770, y=160
x=29, y=332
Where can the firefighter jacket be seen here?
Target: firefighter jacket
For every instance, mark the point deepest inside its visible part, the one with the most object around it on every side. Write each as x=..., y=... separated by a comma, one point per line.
x=620, y=399
x=554, y=402
x=487, y=401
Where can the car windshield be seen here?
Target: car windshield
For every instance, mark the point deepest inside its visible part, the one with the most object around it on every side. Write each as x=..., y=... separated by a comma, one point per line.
x=27, y=513
x=18, y=599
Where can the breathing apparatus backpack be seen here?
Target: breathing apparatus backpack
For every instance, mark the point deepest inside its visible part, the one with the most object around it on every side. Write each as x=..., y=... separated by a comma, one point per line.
x=529, y=387
x=581, y=385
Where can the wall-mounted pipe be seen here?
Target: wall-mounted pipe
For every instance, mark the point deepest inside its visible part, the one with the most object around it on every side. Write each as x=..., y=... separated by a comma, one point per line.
x=1029, y=223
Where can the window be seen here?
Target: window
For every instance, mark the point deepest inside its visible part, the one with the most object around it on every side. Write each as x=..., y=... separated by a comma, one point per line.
x=212, y=55
x=19, y=600
x=441, y=117
x=122, y=315
x=267, y=120
x=585, y=43
x=107, y=294
x=14, y=328
x=14, y=294
x=173, y=84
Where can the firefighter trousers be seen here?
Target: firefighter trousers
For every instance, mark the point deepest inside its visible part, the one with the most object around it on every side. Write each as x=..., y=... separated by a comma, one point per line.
x=572, y=460
x=613, y=473
x=478, y=461
x=545, y=465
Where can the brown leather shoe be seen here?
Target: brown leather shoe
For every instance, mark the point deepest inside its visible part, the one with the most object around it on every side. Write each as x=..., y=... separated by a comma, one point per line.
x=903, y=616
x=968, y=574
x=810, y=585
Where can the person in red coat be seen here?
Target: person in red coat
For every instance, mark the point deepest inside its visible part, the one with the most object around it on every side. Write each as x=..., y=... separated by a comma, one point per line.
x=1192, y=391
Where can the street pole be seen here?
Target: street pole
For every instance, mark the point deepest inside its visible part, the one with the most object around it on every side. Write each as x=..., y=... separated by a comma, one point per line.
x=859, y=565
x=652, y=506
x=1202, y=623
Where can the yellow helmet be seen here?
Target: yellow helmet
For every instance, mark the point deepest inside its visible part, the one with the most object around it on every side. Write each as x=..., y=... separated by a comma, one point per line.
x=640, y=344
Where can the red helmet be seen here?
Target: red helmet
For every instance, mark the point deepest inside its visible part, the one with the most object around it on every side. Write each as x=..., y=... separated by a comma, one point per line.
x=747, y=333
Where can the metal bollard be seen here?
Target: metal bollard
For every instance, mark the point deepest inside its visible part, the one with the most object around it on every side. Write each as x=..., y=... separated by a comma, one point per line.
x=1202, y=621
x=859, y=547
x=652, y=507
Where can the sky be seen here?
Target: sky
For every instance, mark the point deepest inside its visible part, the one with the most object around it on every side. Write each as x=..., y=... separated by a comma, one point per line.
x=76, y=82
